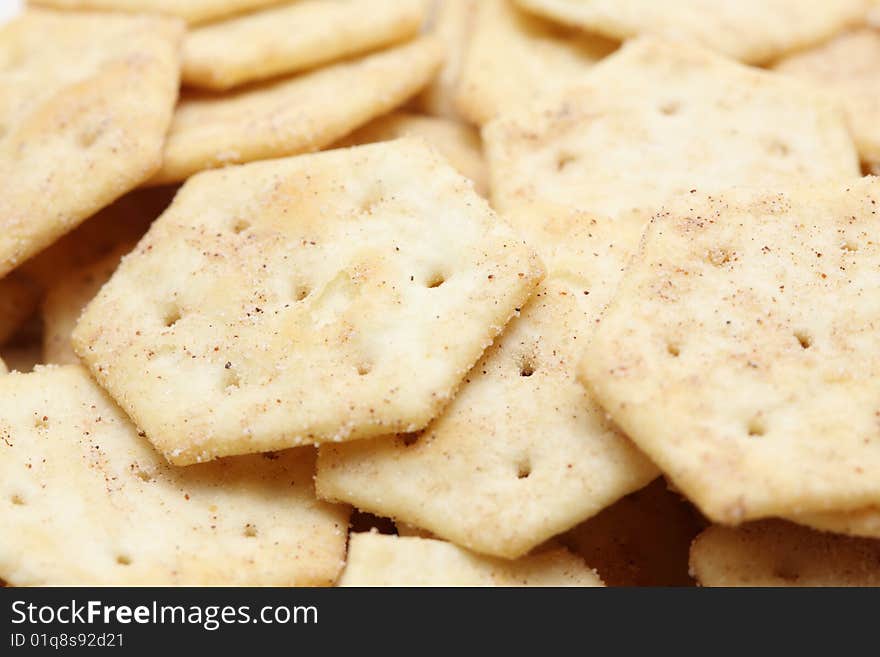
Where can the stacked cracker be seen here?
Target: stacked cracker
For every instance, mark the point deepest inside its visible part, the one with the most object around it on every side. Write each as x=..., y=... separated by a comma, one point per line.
x=662, y=318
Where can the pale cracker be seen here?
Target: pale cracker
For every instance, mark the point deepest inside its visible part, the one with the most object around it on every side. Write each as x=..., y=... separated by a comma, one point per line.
x=740, y=351
x=777, y=553
x=298, y=115
x=382, y=560
x=93, y=504
x=513, y=58
x=861, y=522
x=457, y=142
x=294, y=37
x=3, y=370
x=450, y=22
x=325, y=297
x=642, y=540
x=522, y=453
x=754, y=31
x=192, y=11
x=65, y=301
x=85, y=101
x=19, y=298
x=658, y=119
x=123, y=222
x=848, y=66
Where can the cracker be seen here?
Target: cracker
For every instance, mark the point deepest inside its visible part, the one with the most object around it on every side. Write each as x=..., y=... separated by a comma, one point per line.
x=327, y=297
x=513, y=57
x=457, y=142
x=381, y=560
x=861, y=522
x=740, y=352
x=642, y=540
x=123, y=222
x=776, y=553
x=192, y=11
x=93, y=504
x=754, y=31
x=19, y=298
x=849, y=66
x=85, y=101
x=450, y=22
x=294, y=37
x=64, y=302
x=294, y=116
x=658, y=119
x=522, y=453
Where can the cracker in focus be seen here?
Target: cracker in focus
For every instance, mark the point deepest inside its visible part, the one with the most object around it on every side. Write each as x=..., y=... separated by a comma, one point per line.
x=321, y=298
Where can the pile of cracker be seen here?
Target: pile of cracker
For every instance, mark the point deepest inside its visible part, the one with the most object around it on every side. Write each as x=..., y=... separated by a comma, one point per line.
x=452, y=292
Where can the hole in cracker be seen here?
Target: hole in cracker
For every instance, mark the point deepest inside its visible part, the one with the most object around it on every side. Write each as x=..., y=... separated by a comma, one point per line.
x=90, y=135
x=301, y=292
x=804, y=340
x=171, y=317
x=673, y=350
x=231, y=379
x=41, y=422
x=779, y=148
x=123, y=560
x=409, y=439
x=565, y=160
x=371, y=200
x=435, y=281
x=718, y=257
x=670, y=108
x=756, y=427
x=240, y=225
x=526, y=366
x=523, y=470
x=850, y=246
x=250, y=531
x=364, y=368
x=17, y=500
x=143, y=475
